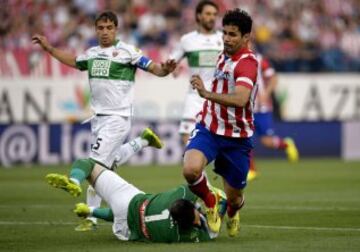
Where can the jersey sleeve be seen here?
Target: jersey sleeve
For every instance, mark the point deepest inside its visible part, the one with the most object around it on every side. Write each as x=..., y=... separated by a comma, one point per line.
x=138, y=59
x=178, y=53
x=245, y=73
x=81, y=61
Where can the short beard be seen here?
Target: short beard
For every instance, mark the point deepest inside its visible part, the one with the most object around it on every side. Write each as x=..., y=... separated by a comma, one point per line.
x=207, y=28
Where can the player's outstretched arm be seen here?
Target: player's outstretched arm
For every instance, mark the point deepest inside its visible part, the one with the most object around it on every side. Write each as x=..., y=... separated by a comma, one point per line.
x=63, y=57
x=162, y=69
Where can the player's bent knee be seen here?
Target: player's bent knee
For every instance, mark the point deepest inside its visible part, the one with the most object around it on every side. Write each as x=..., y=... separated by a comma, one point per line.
x=194, y=163
x=191, y=173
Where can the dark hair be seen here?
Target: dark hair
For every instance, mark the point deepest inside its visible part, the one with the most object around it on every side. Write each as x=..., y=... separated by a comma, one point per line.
x=182, y=212
x=239, y=18
x=200, y=6
x=107, y=15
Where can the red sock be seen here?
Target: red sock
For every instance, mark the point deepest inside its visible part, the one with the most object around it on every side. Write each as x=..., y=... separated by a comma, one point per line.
x=279, y=143
x=201, y=189
x=231, y=210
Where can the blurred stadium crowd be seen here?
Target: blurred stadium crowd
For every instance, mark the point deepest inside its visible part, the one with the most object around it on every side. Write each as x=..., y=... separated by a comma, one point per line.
x=303, y=35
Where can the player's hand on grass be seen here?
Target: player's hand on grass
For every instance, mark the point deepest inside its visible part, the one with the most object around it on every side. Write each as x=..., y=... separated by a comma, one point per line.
x=42, y=41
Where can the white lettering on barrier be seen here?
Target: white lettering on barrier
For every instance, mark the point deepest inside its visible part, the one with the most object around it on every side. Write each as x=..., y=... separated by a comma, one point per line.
x=24, y=144
x=66, y=150
x=18, y=144
x=45, y=155
x=318, y=97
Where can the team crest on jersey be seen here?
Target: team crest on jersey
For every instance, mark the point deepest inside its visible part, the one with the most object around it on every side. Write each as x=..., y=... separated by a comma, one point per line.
x=221, y=75
x=115, y=53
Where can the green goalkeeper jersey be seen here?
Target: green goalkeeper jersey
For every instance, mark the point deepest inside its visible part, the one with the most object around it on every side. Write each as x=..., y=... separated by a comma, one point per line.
x=149, y=218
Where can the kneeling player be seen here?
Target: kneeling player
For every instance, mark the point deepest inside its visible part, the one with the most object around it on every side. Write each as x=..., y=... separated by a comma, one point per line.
x=164, y=217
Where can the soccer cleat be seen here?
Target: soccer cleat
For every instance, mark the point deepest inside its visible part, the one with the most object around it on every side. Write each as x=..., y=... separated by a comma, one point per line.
x=291, y=150
x=82, y=210
x=221, y=200
x=214, y=218
x=152, y=138
x=86, y=225
x=233, y=225
x=63, y=182
x=252, y=175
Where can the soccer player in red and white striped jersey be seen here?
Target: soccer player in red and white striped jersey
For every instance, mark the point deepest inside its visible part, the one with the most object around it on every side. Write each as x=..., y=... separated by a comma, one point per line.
x=225, y=125
x=221, y=113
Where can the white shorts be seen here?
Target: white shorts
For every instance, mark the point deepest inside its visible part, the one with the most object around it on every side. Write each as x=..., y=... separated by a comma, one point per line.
x=117, y=193
x=108, y=133
x=192, y=107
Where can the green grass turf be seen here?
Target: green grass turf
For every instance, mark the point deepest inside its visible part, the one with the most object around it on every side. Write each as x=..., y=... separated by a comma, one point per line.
x=310, y=206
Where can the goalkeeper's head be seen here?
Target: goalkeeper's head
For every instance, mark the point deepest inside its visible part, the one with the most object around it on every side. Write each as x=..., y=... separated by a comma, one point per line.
x=184, y=214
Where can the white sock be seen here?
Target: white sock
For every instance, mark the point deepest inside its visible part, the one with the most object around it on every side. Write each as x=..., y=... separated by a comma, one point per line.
x=92, y=200
x=75, y=181
x=129, y=149
x=91, y=211
x=144, y=142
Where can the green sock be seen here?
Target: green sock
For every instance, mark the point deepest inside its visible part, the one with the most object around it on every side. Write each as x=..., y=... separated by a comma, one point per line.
x=81, y=169
x=103, y=213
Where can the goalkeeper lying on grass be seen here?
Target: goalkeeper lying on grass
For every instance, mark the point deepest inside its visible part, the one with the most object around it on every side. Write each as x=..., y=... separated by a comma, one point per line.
x=164, y=217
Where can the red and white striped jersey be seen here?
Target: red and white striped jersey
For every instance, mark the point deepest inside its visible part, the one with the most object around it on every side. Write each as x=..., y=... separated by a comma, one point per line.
x=239, y=69
x=265, y=72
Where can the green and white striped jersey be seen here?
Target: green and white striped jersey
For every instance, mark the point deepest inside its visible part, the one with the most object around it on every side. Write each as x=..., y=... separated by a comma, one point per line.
x=111, y=74
x=201, y=52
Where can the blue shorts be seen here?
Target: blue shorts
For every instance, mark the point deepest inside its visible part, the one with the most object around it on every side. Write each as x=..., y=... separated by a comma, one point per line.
x=264, y=124
x=231, y=155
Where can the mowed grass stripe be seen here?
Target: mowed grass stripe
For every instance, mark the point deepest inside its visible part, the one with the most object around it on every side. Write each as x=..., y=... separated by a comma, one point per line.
x=310, y=206
x=257, y=207
x=47, y=223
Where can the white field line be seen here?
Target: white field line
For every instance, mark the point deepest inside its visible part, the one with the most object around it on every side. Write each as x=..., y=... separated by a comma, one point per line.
x=59, y=223
x=336, y=229
x=36, y=206
x=303, y=208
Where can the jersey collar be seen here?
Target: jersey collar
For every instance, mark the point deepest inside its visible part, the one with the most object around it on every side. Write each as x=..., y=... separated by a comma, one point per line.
x=116, y=41
x=239, y=53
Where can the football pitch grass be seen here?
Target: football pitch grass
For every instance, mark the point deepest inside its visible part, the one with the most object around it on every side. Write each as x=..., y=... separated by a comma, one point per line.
x=310, y=206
